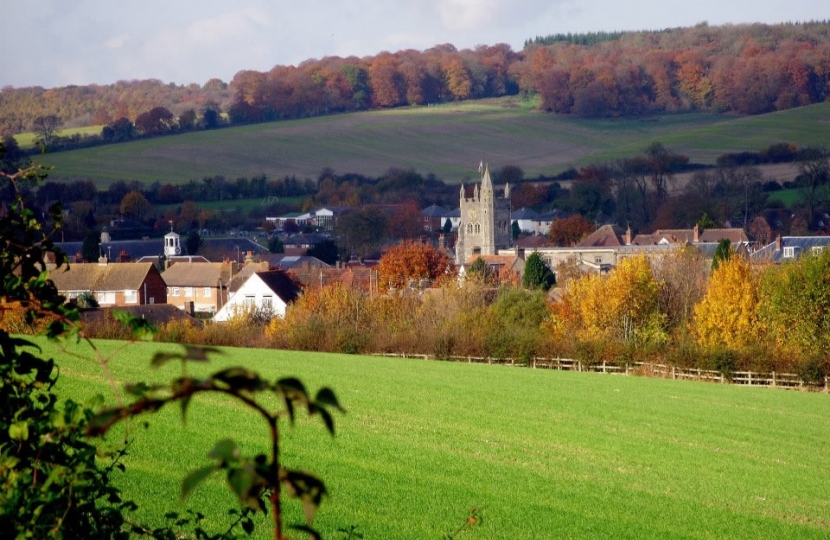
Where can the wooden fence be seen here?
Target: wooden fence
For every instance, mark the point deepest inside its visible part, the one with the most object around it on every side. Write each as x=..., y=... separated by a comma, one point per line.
x=647, y=369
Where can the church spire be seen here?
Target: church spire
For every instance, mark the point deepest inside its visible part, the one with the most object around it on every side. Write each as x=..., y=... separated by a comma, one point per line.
x=486, y=184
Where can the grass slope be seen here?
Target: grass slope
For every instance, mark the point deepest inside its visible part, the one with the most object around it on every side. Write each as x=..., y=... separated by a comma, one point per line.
x=544, y=454
x=448, y=140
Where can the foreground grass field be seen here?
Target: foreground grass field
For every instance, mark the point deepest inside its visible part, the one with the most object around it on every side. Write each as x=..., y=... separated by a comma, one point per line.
x=448, y=140
x=543, y=454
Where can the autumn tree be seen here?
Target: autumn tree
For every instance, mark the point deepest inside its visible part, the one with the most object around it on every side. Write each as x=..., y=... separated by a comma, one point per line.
x=621, y=308
x=570, y=230
x=683, y=276
x=794, y=304
x=135, y=206
x=156, y=121
x=727, y=315
x=413, y=261
x=45, y=128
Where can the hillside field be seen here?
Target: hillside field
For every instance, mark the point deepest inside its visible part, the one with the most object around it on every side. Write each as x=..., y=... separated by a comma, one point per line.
x=542, y=454
x=447, y=140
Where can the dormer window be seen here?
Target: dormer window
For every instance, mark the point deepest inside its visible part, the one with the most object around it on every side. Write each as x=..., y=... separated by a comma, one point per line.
x=789, y=252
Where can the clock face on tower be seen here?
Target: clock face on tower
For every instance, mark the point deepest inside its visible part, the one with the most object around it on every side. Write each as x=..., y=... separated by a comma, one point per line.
x=473, y=215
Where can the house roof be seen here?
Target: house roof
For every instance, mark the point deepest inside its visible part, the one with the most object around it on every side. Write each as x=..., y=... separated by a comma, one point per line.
x=434, y=211
x=281, y=283
x=800, y=245
x=98, y=277
x=287, y=262
x=356, y=277
x=524, y=213
x=197, y=274
x=214, y=248
x=532, y=242
x=679, y=236
x=605, y=236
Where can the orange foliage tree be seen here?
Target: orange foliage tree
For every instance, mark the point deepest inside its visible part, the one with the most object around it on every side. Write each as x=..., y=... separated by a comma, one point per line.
x=413, y=261
x=570, y=230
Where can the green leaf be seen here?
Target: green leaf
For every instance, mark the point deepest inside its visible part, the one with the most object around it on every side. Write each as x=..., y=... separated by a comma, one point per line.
x=326, y=396
x=225, y=450
x=293, y=387
x=239, y=378
x=194, y=479
x=327, y=419
x=19, y=431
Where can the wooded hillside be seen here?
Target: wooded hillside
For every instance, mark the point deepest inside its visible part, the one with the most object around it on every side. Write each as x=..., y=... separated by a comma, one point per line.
x=748, y=69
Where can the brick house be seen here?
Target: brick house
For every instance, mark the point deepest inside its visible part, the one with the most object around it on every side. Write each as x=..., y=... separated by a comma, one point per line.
x=199, y=287
x=121, y=284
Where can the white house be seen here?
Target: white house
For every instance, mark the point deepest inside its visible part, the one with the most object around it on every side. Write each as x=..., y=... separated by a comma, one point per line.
x=268, y=293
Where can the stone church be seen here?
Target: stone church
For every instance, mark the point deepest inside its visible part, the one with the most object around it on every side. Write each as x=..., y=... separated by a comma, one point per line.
x=485, y=221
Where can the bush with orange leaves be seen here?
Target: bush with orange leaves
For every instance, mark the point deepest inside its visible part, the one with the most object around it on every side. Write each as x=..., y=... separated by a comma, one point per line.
x=414, y=262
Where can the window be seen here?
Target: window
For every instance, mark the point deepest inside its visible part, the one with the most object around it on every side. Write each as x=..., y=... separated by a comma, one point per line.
x=152, y=299
x=478, y=228
x=817, y=250
x=250, y=301
x=188, y=292
x=206, y=292
x=131, y=297
x=106, y=298
x=267, y=302
x=789, y=252
x=598, y=260
x=174, y=291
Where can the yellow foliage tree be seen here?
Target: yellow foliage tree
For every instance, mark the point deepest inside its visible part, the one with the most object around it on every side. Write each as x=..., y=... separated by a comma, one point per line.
x=727, y=314
x=621, y=307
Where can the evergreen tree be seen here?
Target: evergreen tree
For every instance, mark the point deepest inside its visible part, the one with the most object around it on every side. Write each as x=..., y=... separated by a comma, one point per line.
x=275, y=245
x=537, y=275
x=91, y=248
x=722, y=253
x=193, y=243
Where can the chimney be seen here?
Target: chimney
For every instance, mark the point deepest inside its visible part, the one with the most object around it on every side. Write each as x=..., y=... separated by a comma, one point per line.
x=249, y=257
x=520, y=252
x=628, y=236
x=696, y=234
x=778, y=243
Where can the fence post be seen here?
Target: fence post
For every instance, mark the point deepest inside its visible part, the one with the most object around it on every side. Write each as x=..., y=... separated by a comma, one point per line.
x=673, y=372
x=825, y=384
x=749, y=377
x=603, y=367
x=774, y=381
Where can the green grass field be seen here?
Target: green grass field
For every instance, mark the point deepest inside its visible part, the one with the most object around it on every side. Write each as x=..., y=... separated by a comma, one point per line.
x=27, y=140
x=543, y=454
x=448, y=140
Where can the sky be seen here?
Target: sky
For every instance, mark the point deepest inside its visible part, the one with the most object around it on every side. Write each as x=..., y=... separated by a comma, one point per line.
x=52, y=43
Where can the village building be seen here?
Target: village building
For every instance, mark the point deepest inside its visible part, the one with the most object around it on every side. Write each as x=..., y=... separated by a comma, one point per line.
x=112, y=284
x=264, y=293
x=485, y=225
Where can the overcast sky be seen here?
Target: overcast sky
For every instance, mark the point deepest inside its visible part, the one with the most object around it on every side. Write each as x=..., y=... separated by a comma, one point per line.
x=60, y=42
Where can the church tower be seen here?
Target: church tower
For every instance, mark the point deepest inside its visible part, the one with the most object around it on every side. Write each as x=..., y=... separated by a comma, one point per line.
x=172, y=244
x=485, y=221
